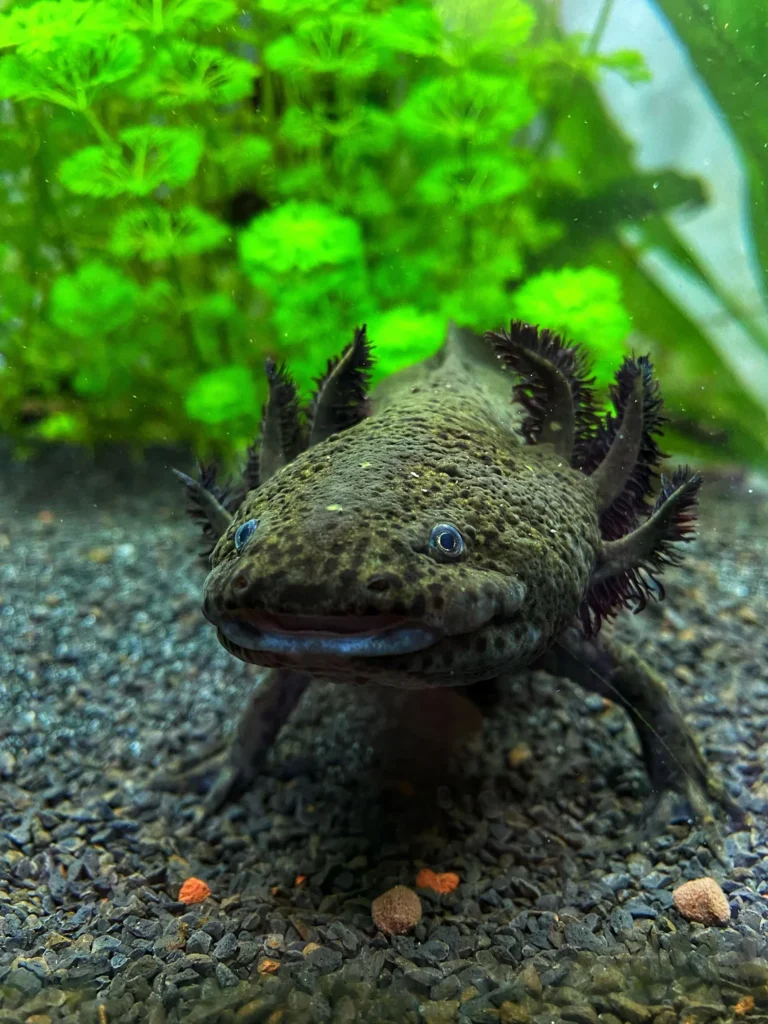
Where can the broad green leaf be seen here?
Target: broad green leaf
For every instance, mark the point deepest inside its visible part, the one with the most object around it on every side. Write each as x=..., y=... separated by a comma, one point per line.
x=150, y=156
x=403, y=336
x=61, y=426
x=365, y=131
x=467, y=107
x=497, y=248
x=317, y=310
x=293, y=9
x=478, y=302
x=703, y=396
x=728, y=41
x=693, y=373
x=94, y=374
x=365, y=196
x=469, y=185
x=338, y=44
x=184, y=73
x=155, y=233
x=408, y=29
x=242, y=157
x=212, y=306
x=554, y=66
x=303, y=130
x=583, y=304
x=223, y=396
x=306, y=181
x=175, y=17
x=482, y=26
x=52, y=25
x=93, y=301
x=299, y=236
x=72, y=75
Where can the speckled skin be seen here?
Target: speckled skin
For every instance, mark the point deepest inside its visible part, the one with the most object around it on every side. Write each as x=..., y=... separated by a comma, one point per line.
x=344, y=530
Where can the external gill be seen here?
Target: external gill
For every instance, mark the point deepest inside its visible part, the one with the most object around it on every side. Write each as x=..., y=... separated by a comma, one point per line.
x=340, y=401
x=619, y=453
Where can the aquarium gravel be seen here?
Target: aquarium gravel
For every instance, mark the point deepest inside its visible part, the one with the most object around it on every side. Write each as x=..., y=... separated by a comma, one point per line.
x=110, y=677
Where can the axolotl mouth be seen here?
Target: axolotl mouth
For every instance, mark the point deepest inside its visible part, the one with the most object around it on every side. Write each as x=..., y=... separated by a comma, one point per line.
x=324, y=636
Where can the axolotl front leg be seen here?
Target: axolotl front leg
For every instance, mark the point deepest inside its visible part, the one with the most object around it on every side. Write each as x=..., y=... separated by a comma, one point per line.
x=236, y=762
x=678, y=773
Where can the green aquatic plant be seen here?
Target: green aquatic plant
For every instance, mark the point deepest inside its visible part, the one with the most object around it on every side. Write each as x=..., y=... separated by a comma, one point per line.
x=187, y=187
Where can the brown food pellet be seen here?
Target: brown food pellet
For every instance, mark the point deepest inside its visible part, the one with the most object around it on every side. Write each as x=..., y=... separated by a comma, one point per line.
x=702, y=900
x=397, y=910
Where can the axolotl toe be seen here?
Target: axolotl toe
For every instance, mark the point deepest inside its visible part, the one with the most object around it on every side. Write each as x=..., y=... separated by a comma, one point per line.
x=474, y=515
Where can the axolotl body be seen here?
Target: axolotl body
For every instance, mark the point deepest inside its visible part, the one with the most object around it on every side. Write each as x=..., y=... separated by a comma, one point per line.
x=474, y=515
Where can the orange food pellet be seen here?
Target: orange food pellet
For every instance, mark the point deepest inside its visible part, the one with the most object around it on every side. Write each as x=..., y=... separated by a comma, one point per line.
x=269, y=966
x=744, y=1005
x=445, y=881
x=194, y=890
x=300, y=880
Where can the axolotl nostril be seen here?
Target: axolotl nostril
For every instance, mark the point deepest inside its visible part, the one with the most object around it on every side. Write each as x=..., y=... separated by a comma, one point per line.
x=474, y=515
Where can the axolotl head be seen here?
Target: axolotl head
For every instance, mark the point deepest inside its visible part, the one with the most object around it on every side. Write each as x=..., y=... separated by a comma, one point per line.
x=412, y=554
x=423, y=545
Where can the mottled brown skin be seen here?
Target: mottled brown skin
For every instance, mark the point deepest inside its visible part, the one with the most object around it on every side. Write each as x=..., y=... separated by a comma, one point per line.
x=344, y=530
x=342, y=547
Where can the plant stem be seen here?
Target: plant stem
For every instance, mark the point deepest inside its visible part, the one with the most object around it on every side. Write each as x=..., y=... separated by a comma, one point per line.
x=186, y=321
x=102, y=134
x=597, y=32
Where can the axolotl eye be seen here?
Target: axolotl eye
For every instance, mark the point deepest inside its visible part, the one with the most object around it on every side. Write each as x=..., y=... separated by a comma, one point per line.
x=244, y=532
x=446, y=542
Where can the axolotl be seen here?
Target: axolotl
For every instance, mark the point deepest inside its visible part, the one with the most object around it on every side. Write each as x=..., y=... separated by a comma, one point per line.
x=475, y=514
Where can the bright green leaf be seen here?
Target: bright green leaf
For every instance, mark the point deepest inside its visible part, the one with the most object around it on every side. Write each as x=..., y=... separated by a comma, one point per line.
x=585, y=304
x=468, y=185
x=299, y=236
x=223, y=396
x=154, y=233
x=467, y=107
x=150, y=156
x=293, y=9
x=185, y=17
x=408, y=29
x=403, y=336
x=61, y=426
x=242, y=157
x=480, y=301
x=184, y=73
x=338, y=44
x=477, y=26
x=93, y=301
x=212, y=306
x=53, y=25
x=303, y=130
x=73, y=75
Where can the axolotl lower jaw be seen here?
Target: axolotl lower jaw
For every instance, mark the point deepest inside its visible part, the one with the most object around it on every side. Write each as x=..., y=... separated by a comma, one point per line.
x=326, y=636
x=393, y=649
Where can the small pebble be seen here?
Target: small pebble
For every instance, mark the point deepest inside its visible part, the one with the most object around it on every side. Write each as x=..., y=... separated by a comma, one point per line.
x=396, y=911
x=702, y=900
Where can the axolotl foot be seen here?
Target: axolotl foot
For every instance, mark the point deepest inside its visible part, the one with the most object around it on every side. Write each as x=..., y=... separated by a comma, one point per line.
x=227, y=770
x=683, y=786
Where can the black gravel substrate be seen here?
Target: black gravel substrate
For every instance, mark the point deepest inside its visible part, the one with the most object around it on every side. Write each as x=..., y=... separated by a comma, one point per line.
x=109, y=674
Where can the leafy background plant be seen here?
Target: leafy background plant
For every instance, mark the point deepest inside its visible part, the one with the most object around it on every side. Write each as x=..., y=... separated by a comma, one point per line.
x=189, y=185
